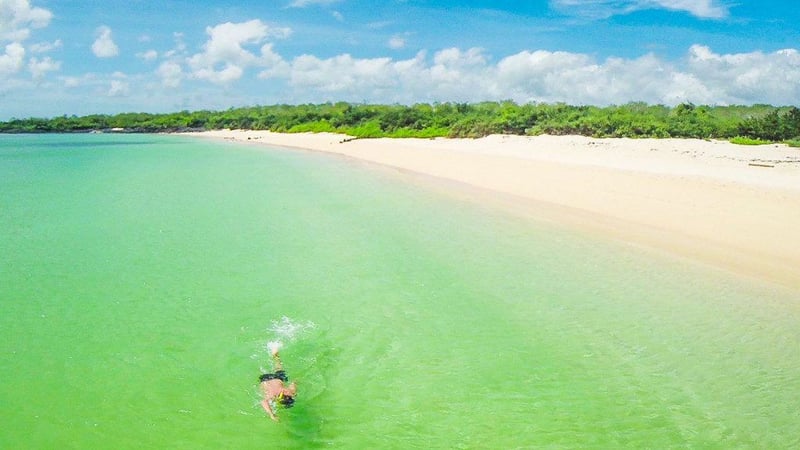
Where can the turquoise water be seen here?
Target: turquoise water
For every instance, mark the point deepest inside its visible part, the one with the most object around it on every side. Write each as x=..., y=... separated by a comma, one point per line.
x=142, y=276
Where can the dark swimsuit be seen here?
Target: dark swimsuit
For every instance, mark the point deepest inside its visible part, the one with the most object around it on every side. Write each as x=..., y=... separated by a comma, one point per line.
x=278, y=375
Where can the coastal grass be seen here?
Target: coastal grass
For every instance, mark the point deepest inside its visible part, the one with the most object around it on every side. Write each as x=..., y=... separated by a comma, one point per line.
x=743, y=140
x=320, y=126
x=793, y=143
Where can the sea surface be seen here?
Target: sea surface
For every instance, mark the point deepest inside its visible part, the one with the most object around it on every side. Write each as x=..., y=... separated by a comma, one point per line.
x=141, y=278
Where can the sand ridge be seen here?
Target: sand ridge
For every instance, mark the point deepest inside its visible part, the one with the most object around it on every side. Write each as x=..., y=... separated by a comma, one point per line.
x=736, y=207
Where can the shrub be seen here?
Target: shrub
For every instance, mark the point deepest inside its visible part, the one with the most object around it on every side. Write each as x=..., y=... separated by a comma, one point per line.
x=793, y=142
x=371, y=129
x=321, y=126
x=741, y=140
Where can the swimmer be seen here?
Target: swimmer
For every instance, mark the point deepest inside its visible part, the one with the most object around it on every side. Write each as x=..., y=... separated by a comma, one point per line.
x=273, y=388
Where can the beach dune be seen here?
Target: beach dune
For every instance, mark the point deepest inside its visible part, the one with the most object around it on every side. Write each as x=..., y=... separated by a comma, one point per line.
x=734, y=207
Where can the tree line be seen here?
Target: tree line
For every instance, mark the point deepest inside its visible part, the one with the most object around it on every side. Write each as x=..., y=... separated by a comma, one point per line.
x=747, y=124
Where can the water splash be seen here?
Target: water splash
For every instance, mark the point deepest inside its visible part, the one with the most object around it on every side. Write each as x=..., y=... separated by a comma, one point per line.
x=274, y=346
x=286, y=330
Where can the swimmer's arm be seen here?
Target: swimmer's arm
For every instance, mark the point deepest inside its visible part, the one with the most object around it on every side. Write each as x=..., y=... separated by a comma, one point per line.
x=268, y=409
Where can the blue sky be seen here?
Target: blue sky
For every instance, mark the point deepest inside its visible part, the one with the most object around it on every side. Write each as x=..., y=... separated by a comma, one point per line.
x=80, y=57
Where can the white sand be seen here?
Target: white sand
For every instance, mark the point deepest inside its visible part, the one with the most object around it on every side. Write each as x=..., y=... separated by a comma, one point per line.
x=711, y=201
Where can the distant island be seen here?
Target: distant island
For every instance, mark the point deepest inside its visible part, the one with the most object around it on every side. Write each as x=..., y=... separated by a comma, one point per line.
x=755, y=124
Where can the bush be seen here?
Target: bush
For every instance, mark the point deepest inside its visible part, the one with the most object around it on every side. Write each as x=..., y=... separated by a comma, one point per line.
x=430, y=132
x=371, y=129
x=313, y=127
x=793, y=142
x=741, y=140
x=747, y=125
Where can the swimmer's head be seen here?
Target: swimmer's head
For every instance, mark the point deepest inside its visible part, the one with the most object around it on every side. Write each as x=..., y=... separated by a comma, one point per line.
x=286, y=400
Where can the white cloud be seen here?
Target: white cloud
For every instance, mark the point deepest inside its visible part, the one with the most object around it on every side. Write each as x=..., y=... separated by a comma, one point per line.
x=274, y=63
x=44, y=47
x=17, y=18
x=542, y=76
x=149, y=55
x=304, y=3
x=338, y=16
x=748, y=77
x=13, y=59
x=224, y=57
x=39, y=68
x=454, y=75
x=600, y=9
x=234, y=51
x=104, y=46
x=709, y=9
x=454, y=57
x=342, y=73
x=538, y=75
x=118, y=88
x=397, y=42
x=170, y=73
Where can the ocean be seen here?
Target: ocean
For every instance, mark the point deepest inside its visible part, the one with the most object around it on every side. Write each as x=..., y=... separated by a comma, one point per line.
x=141, y=277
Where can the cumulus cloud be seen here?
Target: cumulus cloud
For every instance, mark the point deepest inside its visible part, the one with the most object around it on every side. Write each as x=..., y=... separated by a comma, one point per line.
x=39, y=68
x=13, y=58
x=170, y=73
x=453, y=75
x=44, y=47
x=341, y=74
x=118, y=88
x=600, y=9
x=17, y=18
x=225, y=58
x=104, y=46
x=748, y=77
x=544, y=76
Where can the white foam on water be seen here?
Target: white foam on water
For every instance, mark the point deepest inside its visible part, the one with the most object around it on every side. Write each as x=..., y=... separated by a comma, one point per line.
x=287, y=330
x=274, y=346
x=290, y=329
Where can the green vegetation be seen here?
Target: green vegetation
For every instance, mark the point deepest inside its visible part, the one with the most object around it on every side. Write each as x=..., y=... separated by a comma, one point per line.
x=744, y=124
x=741, y=140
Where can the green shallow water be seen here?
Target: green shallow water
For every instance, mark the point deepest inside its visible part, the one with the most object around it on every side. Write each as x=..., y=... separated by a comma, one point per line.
x=142, y=276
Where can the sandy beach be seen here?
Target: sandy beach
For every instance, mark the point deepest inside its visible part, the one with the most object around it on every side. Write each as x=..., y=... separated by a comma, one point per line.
x=734, y=207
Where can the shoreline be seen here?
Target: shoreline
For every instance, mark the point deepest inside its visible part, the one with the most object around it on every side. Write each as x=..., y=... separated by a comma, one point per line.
x=730, y=206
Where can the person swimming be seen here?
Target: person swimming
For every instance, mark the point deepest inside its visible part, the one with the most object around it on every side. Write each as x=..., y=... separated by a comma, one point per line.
x=273, y=388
